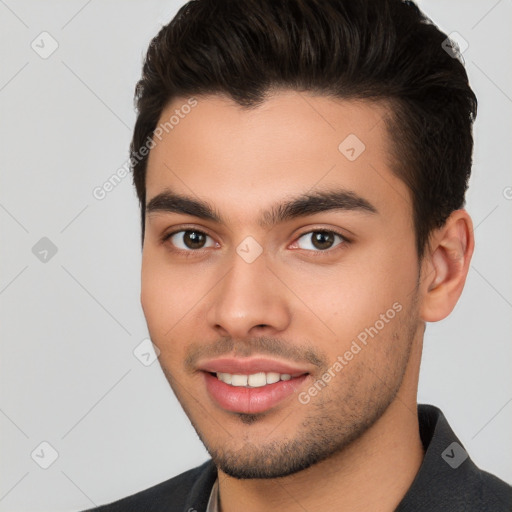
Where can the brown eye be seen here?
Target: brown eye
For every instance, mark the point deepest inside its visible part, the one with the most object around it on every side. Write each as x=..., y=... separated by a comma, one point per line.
x=189, y=240
x=320, y=240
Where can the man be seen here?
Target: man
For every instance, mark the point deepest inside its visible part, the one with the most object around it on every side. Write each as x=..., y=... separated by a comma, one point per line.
x=301, y=168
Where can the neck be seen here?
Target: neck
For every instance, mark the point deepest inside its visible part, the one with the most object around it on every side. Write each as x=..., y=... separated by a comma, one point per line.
x=372, y=473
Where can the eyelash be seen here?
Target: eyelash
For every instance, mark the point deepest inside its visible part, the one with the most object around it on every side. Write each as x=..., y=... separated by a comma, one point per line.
x=192, y=252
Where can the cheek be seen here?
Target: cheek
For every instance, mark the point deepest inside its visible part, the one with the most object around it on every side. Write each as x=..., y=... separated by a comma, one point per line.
x=352, y=295
x=162, y=309
x=161, y=297
x=170, y=295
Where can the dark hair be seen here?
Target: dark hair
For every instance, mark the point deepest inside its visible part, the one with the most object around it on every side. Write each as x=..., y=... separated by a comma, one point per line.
x=379, y=50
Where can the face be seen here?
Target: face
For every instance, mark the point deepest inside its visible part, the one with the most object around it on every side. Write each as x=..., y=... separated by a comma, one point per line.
x=279, y=275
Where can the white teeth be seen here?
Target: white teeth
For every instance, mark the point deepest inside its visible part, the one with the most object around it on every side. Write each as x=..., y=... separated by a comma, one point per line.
x=255, y=380
x=239, y=380
x=273, y=377
x=225, y=377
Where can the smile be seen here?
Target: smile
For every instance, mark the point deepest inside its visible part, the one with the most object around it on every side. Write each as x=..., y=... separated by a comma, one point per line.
x=252, y=393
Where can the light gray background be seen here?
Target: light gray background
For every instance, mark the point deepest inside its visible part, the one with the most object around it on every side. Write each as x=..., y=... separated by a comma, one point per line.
x=69, y=326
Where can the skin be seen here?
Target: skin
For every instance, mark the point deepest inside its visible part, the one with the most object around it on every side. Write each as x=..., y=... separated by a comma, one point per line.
x=359, y=435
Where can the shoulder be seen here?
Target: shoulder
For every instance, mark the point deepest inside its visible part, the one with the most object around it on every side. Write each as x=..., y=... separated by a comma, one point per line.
x=491, y=492
x=191, y=488
x=448, y=480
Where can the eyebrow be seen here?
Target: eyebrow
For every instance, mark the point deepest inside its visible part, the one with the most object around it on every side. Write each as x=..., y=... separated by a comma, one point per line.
x=291, y=208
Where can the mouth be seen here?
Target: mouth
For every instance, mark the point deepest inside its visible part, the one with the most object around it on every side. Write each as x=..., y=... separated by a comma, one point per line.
x=251, y=386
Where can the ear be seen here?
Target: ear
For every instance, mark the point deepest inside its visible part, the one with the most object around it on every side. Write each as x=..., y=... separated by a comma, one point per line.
x=445, y=266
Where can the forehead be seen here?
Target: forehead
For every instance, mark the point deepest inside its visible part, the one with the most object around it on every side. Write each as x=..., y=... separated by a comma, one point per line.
x=294, y=142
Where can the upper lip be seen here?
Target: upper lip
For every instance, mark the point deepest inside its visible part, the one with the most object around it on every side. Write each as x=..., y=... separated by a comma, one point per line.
x=248, y=366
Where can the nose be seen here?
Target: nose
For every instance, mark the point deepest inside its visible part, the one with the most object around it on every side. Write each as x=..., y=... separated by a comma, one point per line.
x=249, y=301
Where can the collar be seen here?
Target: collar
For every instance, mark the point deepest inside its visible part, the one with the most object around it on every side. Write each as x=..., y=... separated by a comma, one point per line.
x=213, y=502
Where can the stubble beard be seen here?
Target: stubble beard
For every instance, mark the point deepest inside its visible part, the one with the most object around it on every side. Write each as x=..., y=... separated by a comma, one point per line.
x=337, y=417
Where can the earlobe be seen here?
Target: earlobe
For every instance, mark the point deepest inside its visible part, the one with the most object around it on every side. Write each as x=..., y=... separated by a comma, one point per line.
x=446, y=266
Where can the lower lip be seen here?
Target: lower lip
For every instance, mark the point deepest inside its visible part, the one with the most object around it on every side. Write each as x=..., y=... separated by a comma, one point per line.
x=250, y=400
